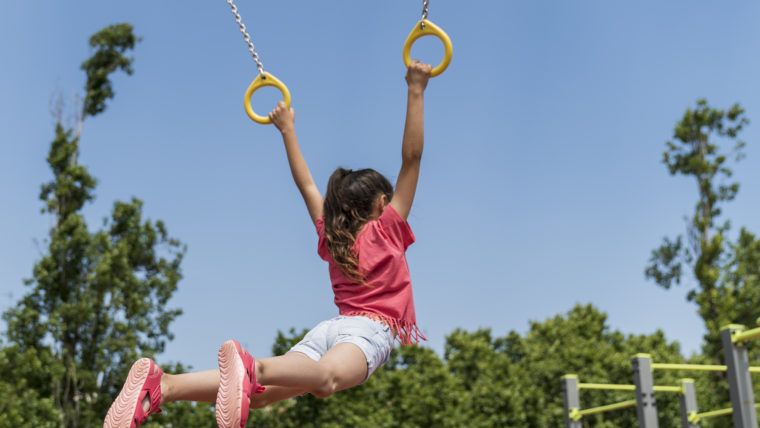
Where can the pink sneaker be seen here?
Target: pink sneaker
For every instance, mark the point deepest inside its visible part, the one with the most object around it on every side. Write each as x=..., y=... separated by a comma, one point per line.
x=127, y=411
x=237, y=382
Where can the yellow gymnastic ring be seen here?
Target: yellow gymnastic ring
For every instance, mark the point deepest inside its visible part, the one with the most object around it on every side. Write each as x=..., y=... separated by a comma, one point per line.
x=429, y=30
x=264, y=79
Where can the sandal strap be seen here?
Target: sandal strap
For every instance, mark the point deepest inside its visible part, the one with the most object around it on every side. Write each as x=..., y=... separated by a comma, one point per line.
x=151, y=388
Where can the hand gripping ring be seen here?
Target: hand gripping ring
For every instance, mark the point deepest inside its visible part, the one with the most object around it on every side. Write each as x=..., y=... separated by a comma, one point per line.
x=264, y=79
x=427, y=28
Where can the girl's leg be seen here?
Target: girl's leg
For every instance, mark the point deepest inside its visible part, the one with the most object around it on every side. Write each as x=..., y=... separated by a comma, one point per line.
x=198, y=386
x=203, y=386
x=342, y=367
x=286, y=376
x=274, y=394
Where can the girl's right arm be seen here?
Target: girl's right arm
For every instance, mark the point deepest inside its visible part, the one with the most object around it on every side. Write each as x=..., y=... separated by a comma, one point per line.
x=284, y=119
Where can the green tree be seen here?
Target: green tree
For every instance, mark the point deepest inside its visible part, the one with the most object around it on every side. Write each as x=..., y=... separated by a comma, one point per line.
x=96, y=300
x=20, y=403
x=704, y=143
x=521, y=385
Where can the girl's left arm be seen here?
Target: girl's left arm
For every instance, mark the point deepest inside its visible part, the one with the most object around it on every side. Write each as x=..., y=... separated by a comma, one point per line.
x=284, y=119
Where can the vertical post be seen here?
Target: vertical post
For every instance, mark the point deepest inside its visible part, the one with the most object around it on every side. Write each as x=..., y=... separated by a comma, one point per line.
x=572, y=399
x=739, y=380
x=688, y=399
x=646, y=406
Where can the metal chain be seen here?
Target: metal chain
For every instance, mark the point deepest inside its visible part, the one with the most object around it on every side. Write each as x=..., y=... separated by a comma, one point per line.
x=425, y=10
x=247, y=37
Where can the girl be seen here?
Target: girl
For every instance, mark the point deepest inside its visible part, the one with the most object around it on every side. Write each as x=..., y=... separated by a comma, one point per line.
x=363, y=235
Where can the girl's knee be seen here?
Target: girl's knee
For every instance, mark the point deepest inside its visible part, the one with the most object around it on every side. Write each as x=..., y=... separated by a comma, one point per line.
x=328, y=384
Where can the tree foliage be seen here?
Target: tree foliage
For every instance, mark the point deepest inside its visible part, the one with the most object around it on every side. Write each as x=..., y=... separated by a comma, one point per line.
x=97, y=299
x=110, y=45
x=704, y=143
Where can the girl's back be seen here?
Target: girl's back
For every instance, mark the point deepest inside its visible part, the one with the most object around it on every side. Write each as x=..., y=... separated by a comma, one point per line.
x=386, y=294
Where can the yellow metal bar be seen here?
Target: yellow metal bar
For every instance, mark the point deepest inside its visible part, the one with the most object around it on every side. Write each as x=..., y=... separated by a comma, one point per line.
x=746, y=335
x=607, y=408
x=697, y=417
x=607, y=386
x=690, y=367
x=697, y=367
x=713, y=413
x=663, y=388
x=619, y=387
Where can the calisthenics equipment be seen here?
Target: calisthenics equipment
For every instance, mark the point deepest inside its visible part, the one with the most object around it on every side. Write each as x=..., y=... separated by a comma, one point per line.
x=646, y=404
x=735, y=338
x=690, y=416
x=262, y=79
x=426, y=28
x=571, y=388
x=423, y=28
x=737, y=371
x=645, y=389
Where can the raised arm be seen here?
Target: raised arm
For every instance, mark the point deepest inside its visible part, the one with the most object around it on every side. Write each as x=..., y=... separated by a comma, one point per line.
x=284, y=119
x=414, y=136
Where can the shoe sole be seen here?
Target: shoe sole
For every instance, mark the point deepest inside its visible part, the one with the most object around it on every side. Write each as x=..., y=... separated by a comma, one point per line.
x=230, y=396
x=122, y=410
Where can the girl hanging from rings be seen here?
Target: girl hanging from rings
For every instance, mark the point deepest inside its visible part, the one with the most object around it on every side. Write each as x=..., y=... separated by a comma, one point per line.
x=363, y=236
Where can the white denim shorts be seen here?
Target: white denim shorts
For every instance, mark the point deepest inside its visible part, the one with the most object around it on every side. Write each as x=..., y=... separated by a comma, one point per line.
x=374, y=338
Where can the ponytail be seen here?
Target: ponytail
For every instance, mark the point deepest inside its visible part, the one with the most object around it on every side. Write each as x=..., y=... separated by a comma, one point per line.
x=348, y=205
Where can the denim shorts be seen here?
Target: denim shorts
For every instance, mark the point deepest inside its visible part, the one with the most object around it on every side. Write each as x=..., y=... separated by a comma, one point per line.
x=374, y=338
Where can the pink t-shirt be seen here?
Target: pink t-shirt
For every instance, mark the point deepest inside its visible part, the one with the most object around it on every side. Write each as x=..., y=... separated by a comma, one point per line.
x=387, y=296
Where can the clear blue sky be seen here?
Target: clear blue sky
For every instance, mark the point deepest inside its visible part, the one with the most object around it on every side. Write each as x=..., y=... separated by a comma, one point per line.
x=541, y=185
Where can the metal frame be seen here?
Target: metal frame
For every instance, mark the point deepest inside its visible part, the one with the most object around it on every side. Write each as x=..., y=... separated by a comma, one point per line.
x=572, y=399
x=646, y=408
x=688, y=402
x=571, y=387
x=738, y=372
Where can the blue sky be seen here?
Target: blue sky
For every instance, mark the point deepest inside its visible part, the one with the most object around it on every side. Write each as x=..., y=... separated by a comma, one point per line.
x=541, y=184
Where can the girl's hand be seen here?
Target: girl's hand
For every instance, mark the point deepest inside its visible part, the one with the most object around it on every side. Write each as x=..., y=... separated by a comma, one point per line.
x=418, y=74
x=283, y=118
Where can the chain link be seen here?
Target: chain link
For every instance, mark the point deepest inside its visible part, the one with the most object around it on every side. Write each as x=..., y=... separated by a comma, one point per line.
x=247, y=37
x=425, y=10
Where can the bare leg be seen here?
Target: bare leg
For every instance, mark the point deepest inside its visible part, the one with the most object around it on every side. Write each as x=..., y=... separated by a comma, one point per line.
x=346, y=365
x=286, y=376
x=198, y=386
x=342, y=367
x=203, y=386
x=274, y=394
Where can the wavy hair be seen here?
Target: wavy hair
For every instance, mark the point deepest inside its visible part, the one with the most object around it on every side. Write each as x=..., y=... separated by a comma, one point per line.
x=348, y=205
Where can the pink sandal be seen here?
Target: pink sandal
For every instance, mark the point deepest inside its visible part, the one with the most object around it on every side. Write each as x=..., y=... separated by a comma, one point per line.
x=237, y=382
x=127, y=411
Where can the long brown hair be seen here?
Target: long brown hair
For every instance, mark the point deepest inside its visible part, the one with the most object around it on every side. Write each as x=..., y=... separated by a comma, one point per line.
x=349, y=202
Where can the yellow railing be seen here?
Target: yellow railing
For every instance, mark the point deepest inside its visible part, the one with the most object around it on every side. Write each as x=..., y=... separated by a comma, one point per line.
x=697, y=367
x=577, y=414
x=619, y=387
